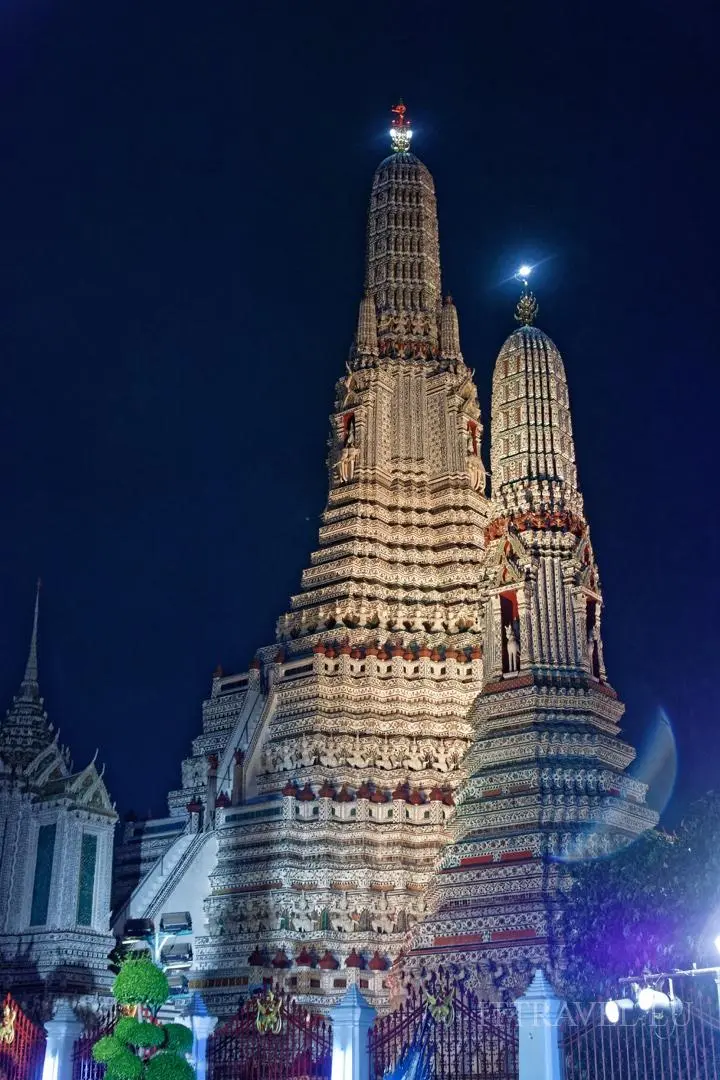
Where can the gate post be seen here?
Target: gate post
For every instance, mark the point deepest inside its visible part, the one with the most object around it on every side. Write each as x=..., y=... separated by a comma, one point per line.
x=352, y=1019
x=202, y=1025
x=62, y=1031
x=538, y=1012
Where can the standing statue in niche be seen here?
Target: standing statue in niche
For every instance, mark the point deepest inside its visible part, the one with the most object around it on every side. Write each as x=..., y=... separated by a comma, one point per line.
x=513, y=649
x=475, y=467
x=347, y=461
x=593, y=649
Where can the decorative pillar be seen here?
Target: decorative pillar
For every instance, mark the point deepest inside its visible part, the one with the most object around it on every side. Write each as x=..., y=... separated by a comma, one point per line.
x=202, y=1025
x=238, y=793
x=539, y=1011
x=212, y=760
x=62, y=1031
x=352, y=1019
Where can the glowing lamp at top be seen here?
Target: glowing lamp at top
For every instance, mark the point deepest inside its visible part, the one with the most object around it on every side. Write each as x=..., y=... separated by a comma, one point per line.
x=524, y=271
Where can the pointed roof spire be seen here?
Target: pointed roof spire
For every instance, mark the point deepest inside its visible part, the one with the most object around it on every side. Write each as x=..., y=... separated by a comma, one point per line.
x=449, y=331
x=30, y=681
x=26, y=730
x=366, y=339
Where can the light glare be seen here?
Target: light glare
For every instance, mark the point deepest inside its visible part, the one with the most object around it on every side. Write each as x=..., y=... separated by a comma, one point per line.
x=612, y=1011
x=524, y=271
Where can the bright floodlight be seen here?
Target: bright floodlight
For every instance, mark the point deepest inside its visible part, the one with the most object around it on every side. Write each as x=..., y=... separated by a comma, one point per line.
x=653, y=999
x=615, y=1009
x=612, y=1011
x=524, y=271
x=717, y=943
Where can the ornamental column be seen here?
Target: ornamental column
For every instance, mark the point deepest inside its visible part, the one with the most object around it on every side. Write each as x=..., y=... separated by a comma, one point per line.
x=539, y=1011
x=351, y=1019
x=202, y=1025
x=62, y=1032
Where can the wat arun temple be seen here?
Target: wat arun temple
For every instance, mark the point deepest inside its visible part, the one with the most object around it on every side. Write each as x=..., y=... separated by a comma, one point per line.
x=402, y=778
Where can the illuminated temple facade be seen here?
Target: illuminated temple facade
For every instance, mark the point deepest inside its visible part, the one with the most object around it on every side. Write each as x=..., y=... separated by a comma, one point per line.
x=395, y=780
x=56, y=851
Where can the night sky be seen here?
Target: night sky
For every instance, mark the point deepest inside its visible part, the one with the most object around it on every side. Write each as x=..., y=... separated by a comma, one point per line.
x=183, y=198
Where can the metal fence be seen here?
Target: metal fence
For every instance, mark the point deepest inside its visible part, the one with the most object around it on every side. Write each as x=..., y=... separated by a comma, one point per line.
x=22, y=1044
x=84, y=1065
x=646, y=1046
x=458, y=1035
x=271, y=1038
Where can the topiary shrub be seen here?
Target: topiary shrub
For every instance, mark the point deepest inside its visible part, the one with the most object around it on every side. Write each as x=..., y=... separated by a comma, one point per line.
x=141, y=1049
x=178, y=1038
x=168, y=1066
x=140, y=982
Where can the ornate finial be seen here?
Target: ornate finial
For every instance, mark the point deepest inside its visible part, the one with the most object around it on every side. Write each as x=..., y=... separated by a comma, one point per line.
x=527, y=306
x=526, y=309
x=400, y=131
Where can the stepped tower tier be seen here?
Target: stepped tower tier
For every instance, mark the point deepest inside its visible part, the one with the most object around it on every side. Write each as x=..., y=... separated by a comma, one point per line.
x=326, y=773
x=402, y=534
x=546, y=774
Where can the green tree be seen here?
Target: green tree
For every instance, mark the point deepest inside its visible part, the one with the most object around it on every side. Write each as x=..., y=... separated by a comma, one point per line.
x=654, y=905
x=141, y=1049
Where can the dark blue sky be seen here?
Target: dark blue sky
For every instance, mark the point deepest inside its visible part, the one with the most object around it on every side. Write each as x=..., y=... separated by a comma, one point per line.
x=182, y=199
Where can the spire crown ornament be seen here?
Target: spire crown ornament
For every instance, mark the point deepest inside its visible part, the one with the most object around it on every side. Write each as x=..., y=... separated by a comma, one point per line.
x=527, y=306
x=400, y=129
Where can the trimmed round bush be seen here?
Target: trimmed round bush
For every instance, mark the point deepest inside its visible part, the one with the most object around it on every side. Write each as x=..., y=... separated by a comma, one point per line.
x=106, y=1048
x=140, y=982
x=178, y=1038
x=168, y=1066
x=139, y=1033
x=124, y=1066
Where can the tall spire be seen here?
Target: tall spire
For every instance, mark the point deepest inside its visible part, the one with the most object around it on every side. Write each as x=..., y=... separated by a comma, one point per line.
x=403, y=258
x=25, y=730
x=532, y=452
x=30, y=680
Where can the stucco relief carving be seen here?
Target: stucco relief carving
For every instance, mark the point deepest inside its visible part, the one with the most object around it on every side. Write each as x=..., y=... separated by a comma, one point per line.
x=386, y=753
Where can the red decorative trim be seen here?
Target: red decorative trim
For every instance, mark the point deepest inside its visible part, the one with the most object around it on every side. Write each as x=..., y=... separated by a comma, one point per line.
x=562, y=520
x=475, y=860
x=512, y=935
x=508, y=684
x=515, y=856
x=460, y=939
